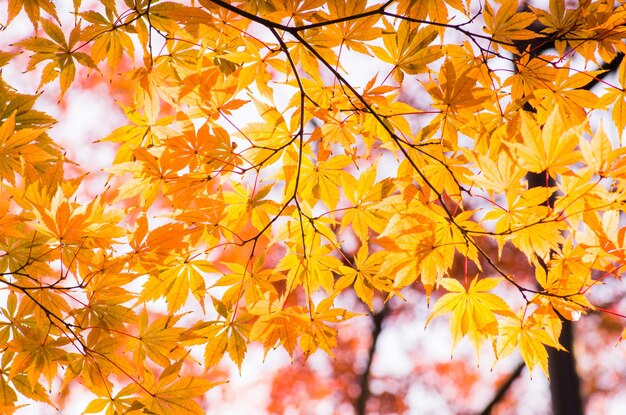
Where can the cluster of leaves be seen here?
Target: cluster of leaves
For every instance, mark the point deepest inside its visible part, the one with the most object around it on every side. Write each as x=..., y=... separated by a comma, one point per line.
x=259, y=214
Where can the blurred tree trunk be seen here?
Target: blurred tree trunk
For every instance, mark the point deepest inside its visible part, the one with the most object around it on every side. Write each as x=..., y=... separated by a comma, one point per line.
x=360, y=406
x=564, y=380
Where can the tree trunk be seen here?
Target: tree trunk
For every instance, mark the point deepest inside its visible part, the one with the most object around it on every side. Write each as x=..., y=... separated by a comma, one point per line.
x=564, y=380
x=360, y=406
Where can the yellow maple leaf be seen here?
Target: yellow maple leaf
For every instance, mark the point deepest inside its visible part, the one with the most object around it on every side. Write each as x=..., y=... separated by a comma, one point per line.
x=527, y=334
x=19, y=148
x=567, y=90
x=365, y=276
x=157, y=340
x=37, y=355
x=172, y=393
x=278, y=324
x=599, y=153
x=531, y=73
x=507, y=24
x=550, y=147
x=408, y=48
x=558, y=20
x=176, y=281
x=318, y=333
x=312, y=268
x=61, y=53
x=457, y=90
x=617, y=97
x=352, y=32
x=33, y=10
x=532, y=227
x=473, y=309
x=364, y=193
x=501, y=176
x=320, y=180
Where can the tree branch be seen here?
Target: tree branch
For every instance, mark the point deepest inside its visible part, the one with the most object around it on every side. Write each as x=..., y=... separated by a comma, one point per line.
x=609, y=67
x=361, y=402
x=504, y=389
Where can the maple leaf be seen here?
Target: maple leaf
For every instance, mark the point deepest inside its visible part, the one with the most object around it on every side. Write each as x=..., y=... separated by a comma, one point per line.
x=618, y=99
x=107, y=296
x=69, y=224
x=277, y=325
x=153, y=84
x=215, y=96
x=364, y=194
x=339, y=127
x=568, y=92
x=60, y=52
x=457, y=89
x=37, y=355
x=255, y=66
x=507, y=24
x=111, y=42
x=498, y=176
x=530, y=226
x=408, y=49
x=548, y=148
x=143, y=133
x=32, y=8
x=153, y=247
x=365, y=276
x=176, y=281
x=9, y=397
x=20, y=147
x=32, y=390
x=599, y=153
x=413, y=252
x=310, y=267
x=242, y=206
x=473, y=309
x=320, y=180
x=437, y=10
x=158, y=341
x=12, y=144
x=558, y=20
x=527, y=334
x=202, y=150
x=353, y=32
x=123, y=401
x=9, y=224
x=106, y=355
x=151, y=174
x=25, y=116
x=318, y=334
x=531, y=74
x=172, y=393
x=254, y=284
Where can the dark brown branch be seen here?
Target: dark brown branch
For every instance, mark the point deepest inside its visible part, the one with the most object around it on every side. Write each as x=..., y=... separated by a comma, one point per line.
x=364, y=383
x=609, y=67
x=501, y=393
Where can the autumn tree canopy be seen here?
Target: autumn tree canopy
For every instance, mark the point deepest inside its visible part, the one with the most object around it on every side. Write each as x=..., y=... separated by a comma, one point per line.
x=259, y=181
